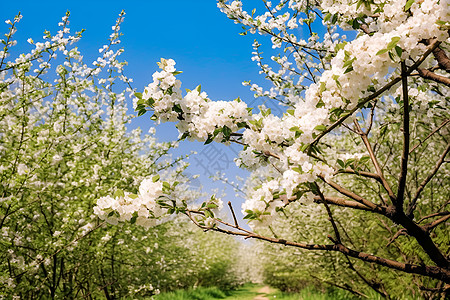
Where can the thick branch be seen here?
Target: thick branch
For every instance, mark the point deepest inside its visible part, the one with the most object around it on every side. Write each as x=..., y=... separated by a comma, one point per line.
x=427, y=74
x=442, y=58
x=438, y=214
x=431, y=271
x=422, y=236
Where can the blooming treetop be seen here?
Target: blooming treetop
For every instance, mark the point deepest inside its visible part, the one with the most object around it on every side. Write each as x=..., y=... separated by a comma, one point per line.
x=395, y=41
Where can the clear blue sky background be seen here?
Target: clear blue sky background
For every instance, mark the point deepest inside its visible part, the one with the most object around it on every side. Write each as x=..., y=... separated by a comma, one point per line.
x=202, y=40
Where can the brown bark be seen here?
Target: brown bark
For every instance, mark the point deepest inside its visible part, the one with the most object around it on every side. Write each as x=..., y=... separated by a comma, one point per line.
x=427, y=74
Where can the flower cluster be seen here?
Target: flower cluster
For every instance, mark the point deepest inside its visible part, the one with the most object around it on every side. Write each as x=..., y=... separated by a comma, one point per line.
x=199, y=117
x=124, y=206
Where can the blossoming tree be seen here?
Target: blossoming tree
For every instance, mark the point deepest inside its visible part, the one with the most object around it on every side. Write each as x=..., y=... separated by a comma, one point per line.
x=64, y=142
x=364, y=133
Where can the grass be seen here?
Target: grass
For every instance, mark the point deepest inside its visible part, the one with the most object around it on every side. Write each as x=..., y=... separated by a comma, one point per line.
x=202, y=293
x=245, y=292
x=248, y=292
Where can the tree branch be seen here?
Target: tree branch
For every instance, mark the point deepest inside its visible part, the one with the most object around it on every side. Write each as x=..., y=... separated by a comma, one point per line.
x=234, y=215
x=444, y=213
x=330, y=215
x=404, y=162
x=435, y=223
x=427, y=74
x=372, y=206
x=396, y=235
x=420, y=234
x=361, y=173
x=429, y=271
x=343, y=203
x=442, y=58
x=428, y=136
x=373, y=157
x=413, y=203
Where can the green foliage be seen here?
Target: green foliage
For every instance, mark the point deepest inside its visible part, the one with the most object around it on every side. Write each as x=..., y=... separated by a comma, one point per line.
x=204, y=293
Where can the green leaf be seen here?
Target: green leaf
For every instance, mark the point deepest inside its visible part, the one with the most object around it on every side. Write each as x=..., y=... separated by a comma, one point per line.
x=391, y=56
x=322, y=87
x=349, y=62
x=358, y=5
x=334, y=19
x=209, y=139
x=133, y=219
x=155, y=178
x=209, y=214
x=393, y=42
x=320, y=127
x=382, y=51
x=320, y=103
x=118, y=194
x=341, y=163
x=199, y=88
x=142, y=112
x=408, y=4
x=304, y=147
x=138, y=95
x=185, y=135
x=226, y=131
x=297, y=169
x=399, y=51
x=349, y=69
x=364, y=159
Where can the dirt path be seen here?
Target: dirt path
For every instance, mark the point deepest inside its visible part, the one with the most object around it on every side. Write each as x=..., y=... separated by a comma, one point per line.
x=263, y=292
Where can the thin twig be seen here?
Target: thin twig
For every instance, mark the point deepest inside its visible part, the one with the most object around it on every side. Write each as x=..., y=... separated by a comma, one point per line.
x=330, y=215
x=412, y=205
x=234, y=216
x=428, y=136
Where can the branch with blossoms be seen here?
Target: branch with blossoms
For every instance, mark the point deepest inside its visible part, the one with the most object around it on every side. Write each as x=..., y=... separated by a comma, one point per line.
x=154, y=202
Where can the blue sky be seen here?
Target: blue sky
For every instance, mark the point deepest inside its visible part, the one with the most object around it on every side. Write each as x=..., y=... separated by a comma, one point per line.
x=205, y=44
